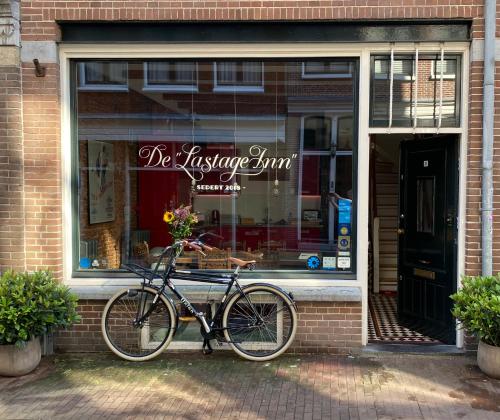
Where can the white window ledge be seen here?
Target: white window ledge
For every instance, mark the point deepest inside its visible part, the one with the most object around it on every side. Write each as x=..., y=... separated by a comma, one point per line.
x=231, y=89
x=200, y=292
x=170, y=88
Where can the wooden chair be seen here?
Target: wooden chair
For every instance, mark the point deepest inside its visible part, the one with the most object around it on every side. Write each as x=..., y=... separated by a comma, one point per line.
x=216, y=259
x=238, y=245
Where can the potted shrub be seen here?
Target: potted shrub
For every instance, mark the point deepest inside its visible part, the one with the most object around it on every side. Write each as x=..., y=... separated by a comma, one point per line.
x=31, y=304
x=477, y=307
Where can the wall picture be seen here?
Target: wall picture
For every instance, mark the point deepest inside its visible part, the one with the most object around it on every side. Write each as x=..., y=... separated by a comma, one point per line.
x=101, y=182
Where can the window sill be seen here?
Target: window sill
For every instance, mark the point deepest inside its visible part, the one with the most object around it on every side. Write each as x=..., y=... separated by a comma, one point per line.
x=103, y=88
x=240, y=89
x=170, y=88
x=326, y=76
x=321, y=293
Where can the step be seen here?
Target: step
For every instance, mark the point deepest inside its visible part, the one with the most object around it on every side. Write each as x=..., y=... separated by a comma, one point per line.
x=387, y=188
x=388, y=222
x=387, y=178
x=387, y=260
x=388, y=235
x=388, y=247
x=387, y=199
x=391, y=211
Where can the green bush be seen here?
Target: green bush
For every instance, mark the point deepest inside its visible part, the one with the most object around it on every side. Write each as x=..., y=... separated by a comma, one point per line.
x=477, y=307
x=32, y=304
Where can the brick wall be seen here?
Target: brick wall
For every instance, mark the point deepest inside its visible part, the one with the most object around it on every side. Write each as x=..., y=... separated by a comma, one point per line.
x=323, y=327
x=11, y=164
x=43, y=222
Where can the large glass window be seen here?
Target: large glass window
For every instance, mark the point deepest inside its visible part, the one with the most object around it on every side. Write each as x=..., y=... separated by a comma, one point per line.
x=269, y=170
x=422, y=98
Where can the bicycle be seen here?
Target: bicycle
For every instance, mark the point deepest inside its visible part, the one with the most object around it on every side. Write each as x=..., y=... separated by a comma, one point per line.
x=258, y=321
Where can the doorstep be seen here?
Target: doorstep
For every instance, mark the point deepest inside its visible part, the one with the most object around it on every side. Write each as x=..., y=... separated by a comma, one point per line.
x=435, y=349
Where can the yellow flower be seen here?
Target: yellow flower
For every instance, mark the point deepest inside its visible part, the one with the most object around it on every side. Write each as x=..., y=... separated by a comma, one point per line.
x=168, y=216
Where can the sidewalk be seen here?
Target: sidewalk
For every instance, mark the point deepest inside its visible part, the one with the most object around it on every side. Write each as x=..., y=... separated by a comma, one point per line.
x=387, y=386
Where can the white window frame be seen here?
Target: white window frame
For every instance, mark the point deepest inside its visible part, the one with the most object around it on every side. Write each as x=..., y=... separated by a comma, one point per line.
x=100, y=87
x=437, y=76
x=236, y=87
x=99, y=287
x=169, y=87
x=325, y=75
x=396, y=76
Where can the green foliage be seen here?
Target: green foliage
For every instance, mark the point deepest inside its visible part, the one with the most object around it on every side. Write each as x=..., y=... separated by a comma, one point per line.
x=477, y=307
x=32, y=304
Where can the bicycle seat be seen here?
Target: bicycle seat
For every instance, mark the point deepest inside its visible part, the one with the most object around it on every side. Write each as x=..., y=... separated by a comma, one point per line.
x=242, y=263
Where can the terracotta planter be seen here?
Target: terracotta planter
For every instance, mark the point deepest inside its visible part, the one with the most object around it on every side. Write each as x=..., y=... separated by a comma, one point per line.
x=15, y=361
x=488, y=359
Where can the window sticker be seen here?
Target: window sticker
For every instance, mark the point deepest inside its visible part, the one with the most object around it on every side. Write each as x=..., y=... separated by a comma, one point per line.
x=329, y=263
x=344, y=262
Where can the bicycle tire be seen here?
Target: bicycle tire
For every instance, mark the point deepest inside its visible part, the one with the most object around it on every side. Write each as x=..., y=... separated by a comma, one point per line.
x=266, y=299
x=117, y=324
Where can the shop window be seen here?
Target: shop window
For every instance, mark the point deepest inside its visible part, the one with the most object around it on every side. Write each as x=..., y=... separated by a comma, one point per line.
x=419, y=97
x=274, y=180
x=326, y=69
x=242, y=76
x=170, y=76
x=103, y=75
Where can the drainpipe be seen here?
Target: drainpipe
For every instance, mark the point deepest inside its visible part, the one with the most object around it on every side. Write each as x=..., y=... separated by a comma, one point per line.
x=488, y=120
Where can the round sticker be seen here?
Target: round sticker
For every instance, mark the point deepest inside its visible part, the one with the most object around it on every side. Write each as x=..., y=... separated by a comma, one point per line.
x=313, y=262
x=344, y=230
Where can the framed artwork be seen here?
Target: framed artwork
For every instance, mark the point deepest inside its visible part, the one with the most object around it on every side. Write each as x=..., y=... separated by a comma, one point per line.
x=101, y=182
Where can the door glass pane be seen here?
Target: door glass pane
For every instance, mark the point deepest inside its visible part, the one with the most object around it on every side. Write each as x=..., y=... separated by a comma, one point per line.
x=425, y=205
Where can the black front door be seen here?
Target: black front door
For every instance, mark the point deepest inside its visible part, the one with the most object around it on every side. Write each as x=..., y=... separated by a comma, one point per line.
x=428, y=236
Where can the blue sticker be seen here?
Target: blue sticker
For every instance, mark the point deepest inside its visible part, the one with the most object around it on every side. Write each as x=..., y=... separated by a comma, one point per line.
x=344, y=211
x=85, y=263
x=313, y=262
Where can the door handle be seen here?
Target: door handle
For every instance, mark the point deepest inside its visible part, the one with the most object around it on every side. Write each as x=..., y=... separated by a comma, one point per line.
x=401, y=231
x=426, y=262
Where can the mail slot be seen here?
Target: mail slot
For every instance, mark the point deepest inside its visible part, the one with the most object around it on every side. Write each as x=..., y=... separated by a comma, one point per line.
x=426, y=274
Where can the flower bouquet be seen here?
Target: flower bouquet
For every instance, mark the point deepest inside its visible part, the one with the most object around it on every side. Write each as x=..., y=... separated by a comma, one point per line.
x=180, y=222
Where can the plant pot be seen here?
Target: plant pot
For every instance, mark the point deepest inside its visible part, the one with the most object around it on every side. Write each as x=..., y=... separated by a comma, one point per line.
x=488, y=359
x=15, y=361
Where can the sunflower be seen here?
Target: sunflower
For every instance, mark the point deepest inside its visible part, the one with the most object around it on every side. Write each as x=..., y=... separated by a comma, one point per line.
x=168, y=216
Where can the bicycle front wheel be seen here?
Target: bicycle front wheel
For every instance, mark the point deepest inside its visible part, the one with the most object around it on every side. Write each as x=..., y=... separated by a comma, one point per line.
x=132, y=340
x=261, y=323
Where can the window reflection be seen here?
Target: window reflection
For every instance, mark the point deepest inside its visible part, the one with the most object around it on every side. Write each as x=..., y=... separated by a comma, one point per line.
x=423, y=98
x=263, y=156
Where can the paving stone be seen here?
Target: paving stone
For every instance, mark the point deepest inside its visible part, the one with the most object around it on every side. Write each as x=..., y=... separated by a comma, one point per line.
x=380, y=386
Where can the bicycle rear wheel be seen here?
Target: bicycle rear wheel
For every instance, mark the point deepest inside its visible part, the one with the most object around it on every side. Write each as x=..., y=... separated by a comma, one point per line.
x=127, y=338
x=265, y=338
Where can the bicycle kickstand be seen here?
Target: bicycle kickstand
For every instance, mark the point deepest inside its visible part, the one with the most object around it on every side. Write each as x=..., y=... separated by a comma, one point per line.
x=207, y=348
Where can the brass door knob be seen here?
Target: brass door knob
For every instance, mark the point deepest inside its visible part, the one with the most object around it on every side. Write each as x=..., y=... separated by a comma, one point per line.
x=401, y=231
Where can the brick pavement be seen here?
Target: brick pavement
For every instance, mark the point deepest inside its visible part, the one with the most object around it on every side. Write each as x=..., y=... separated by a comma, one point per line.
x=383, y=386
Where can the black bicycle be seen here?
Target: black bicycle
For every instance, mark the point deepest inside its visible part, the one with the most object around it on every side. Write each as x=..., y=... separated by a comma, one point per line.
x=258, y=321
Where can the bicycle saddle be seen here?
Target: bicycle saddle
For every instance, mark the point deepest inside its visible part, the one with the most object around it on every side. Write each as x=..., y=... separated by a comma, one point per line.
x=242, y=263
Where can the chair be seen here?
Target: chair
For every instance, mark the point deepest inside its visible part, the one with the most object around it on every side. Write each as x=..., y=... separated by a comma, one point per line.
x=216, y=259
x=238, y=245
x=272, y=245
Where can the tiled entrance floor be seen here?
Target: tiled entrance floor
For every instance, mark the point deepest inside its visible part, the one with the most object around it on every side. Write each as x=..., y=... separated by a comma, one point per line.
x=383, y=326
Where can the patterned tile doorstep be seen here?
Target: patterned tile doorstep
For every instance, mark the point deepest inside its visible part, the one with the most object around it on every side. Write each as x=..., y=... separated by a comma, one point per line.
x=383, y=323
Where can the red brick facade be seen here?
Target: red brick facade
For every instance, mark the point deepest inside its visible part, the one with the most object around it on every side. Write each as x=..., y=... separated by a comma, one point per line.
x=323, y=327
x=31, y=216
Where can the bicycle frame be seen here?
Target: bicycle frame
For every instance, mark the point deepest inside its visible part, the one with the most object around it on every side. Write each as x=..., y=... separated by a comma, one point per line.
x=172, y=274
